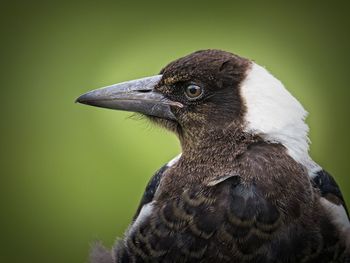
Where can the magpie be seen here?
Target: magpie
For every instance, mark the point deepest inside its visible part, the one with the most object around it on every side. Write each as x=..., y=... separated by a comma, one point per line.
x=244, y=188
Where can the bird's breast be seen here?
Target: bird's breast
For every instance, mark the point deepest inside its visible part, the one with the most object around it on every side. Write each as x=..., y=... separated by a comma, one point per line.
x=201, y=224
x=181, y=227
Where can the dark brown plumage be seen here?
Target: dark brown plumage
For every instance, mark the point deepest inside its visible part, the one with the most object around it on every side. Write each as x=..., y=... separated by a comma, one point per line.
x=249, y=216
x=219, y=73
x=232, y=196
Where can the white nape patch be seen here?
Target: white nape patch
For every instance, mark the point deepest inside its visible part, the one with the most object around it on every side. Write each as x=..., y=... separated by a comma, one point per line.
x=173, y=161
x=313, y=169
x=275, y=115
x=339, y=218
x=144, y=213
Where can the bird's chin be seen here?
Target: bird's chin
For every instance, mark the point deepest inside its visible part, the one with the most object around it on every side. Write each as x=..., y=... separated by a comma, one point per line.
x=168, y=124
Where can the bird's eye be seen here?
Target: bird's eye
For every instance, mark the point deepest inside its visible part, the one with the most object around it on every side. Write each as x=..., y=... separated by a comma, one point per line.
x=193, y=92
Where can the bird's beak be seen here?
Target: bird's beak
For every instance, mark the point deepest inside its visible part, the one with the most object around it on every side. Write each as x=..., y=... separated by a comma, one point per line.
x=135, y=95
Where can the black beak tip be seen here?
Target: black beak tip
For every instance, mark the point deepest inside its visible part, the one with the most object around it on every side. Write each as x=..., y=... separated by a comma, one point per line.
x=83, y=99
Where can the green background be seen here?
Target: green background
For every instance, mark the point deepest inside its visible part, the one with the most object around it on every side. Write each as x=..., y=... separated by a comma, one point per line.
x=71, y=174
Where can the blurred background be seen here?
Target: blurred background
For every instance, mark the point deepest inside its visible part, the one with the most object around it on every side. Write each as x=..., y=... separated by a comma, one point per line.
x=71, y=174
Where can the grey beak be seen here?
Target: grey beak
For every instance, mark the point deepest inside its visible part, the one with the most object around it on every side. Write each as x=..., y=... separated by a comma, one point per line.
x=135, y=95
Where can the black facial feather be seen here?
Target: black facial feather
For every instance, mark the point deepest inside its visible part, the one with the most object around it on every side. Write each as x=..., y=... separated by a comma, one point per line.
x=217, y=68
x=219, y=74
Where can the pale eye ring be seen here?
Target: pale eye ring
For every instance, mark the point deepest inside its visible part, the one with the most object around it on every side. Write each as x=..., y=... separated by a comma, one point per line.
x=193, y=91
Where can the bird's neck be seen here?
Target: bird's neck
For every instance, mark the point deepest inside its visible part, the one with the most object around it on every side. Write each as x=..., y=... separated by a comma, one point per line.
x=206, y=155
x=215, y=142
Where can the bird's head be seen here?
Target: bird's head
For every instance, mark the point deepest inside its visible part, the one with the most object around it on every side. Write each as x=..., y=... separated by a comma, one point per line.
x=194, y=93
x=212, y=91
x=206, y=86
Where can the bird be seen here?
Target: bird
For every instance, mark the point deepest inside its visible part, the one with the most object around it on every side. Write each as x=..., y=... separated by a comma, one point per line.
x=244, y=188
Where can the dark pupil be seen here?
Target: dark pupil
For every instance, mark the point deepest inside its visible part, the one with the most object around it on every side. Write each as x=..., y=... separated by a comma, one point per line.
x=193, y=90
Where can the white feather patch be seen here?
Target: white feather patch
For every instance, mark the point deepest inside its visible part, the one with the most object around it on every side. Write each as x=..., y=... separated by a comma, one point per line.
x=339, y=218
x=146, y=210
x=275, y=115
x=173, y=161
x=144, y=213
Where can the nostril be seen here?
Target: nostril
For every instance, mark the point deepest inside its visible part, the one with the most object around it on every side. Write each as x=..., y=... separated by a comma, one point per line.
x=144, y=90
